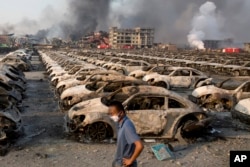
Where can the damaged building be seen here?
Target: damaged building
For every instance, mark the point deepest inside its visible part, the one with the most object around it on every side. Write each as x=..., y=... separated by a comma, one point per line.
x=217, y=44
x=131, y=38
x=247, y=47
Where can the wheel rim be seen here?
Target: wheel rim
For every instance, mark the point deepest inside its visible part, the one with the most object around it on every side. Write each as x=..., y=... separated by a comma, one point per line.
x=236, y=73
x=96, y=131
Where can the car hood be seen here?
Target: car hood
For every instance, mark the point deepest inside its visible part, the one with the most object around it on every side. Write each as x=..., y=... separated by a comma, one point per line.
x=89, y=106
x=150, y=76
x=65, y=82
x=136, y=72
x=243, y=106
x=210, y=89
x=62, y=77
x=74, y=91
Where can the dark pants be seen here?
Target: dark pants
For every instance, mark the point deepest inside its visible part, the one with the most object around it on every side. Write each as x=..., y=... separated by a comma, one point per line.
x=114, y=164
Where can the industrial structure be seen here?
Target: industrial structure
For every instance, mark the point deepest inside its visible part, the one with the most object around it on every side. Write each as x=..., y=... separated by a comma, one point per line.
x=218, y=44
x=131, y=38
x=247, y=47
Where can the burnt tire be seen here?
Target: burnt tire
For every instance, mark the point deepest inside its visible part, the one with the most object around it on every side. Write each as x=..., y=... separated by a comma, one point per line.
x=97, y=131
x=187, y=132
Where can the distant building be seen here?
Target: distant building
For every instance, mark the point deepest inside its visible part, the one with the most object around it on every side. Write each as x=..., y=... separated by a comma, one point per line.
x=6, y=39
x=218, y=44
x=137, y=37
x=247, y=47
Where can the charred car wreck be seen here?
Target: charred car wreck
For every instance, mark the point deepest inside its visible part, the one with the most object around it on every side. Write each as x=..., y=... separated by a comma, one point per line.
x=155, y=111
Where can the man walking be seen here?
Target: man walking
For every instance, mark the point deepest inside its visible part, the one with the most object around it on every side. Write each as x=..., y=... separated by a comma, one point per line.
x=129, y=145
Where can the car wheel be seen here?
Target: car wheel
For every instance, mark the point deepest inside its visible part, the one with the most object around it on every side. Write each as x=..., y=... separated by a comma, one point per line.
x=236, y=73
x=96, y=132
x=185, y=133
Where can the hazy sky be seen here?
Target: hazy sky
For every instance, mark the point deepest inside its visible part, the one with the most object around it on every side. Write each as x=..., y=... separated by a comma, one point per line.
x=12, y=11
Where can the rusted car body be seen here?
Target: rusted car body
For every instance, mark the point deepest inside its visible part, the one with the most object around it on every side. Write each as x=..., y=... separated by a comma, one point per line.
x=13, y=95
x=20, y=63
x=146, y=70
x=91, y=90
x=237, y=70
x=130, y=65
x=242, y=111
x=155, y=112
x=176, y=77
x=96, y=76
x=10, y=119
x=212, y=97
x=73, y=74
x=10, y=75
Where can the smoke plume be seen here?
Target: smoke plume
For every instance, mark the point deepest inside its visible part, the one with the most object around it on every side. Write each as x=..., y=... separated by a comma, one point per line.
x=172, y=19
x=85, y=16
x=206, y=24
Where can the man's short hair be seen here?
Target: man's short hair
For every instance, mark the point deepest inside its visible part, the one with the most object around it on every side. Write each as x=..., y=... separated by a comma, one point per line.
x=118, y=105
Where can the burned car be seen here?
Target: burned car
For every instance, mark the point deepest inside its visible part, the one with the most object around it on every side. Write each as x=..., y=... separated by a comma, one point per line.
x=11, y=76
x=155, y=112
x=176, y=77
x=73, y=73
x=237, y=70
x=146, y=70
x=80, y=80
x=215, y=98
x=18, y=62
x=91, y=90
x=10, y=119
x=12, y=95
x=127, y=66
x=242, y=111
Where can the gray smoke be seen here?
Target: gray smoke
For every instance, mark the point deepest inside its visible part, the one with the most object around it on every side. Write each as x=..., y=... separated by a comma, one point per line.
x=206, y=24
x=85, y=16
x=80, y=18
x=172, y=19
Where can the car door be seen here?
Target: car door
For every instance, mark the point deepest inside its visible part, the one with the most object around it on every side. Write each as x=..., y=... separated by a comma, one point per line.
x=146, y=112
x=175, y=108
x=181, y=78
x=195, y=76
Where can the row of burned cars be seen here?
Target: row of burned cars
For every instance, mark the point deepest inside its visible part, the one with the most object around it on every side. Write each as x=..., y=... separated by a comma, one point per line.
x=215, y=63
x=85, y=83
x=12, y=88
